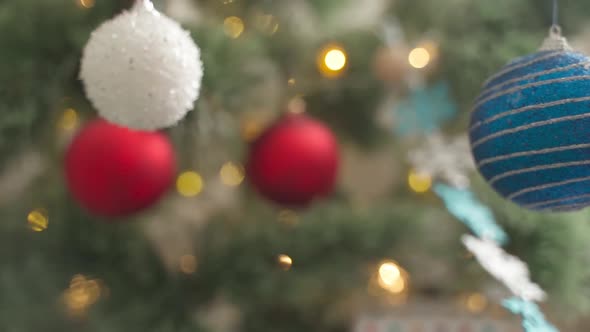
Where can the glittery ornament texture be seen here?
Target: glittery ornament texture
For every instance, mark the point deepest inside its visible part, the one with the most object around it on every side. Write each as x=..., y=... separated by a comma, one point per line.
x=141, y=69
x=530, y=131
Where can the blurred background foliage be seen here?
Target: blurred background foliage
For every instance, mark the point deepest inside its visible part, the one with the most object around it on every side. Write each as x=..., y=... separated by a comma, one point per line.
x=332, y=246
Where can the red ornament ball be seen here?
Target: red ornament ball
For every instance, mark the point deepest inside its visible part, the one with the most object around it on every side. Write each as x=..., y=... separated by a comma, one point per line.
x=294, y=161
x=114, y=171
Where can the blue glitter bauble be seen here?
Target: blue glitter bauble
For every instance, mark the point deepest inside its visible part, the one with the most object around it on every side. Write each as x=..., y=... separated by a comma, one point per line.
x=530, y=131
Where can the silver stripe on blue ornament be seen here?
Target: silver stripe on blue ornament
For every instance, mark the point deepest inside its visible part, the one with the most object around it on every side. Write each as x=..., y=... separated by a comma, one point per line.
x=530, y=129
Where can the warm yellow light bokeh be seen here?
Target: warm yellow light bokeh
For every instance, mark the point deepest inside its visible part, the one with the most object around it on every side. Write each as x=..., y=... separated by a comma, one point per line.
x=82, y=293
x=189, y=184
x=391, y=277
x=285, y=262
x=476, y=302
x=233, y=26
x=389, y=273
x=398, y=287
x=332, y=60
x=418, y=182
x=188, y=264
x=86, y=3
x=250, y=129
x=232, y=174
x=335, y=59
x=419, y=57
x=68, y=120
x=38, y=220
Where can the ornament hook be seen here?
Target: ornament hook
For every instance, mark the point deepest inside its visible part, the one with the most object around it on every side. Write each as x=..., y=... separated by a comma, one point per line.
x=555, y=41
x=555, y=31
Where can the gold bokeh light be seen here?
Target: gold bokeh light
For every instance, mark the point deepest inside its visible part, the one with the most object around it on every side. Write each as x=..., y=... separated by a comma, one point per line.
x=419, y=57
x=285, y=262
x=250, y=129
x=233, y=26
x=82, y=294
x=37, y=220
x=332, y=60
x=232, y=174
x=419, y=182
x=391, y=277
x=335, y=59
x=389, y=273
x=189, y=184
x=476, y=302
x=86, y=3
x=68, y=120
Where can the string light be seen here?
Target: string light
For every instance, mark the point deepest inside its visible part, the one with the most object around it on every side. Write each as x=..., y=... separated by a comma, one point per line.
x=391, y=277
x=37, y=220
x=389, y=273
x=250, y=129
x=188, y=264
x=81, y=294
x=68, y=120
x=332, y=60
x=232, y=174
x=189, y=184
x=285, y=262
x=419, y=182
x=476, y=302
x=335, y=59
x=233, y=26
x=86, y=3
x=419, y=57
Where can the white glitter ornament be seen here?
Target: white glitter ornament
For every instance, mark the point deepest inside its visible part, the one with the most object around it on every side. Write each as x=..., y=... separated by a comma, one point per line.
x=141, y=69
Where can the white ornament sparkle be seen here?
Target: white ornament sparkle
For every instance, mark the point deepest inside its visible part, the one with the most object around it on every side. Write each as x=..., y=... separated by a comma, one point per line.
x=141, y=69
x=447, y=160
x=508, y=269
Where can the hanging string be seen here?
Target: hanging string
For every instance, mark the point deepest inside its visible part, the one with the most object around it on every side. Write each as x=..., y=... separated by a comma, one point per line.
x=555, y=12
x=555, y=28
x=555, y=41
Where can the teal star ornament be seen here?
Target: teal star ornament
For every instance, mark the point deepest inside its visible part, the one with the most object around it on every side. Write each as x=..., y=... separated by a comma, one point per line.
x=424, y=111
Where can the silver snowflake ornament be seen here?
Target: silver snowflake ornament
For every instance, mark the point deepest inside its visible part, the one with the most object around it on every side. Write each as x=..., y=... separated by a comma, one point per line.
x=449, y=160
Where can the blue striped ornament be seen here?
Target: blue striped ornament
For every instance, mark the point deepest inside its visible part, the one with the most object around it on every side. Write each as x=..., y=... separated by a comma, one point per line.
x=530, y=131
